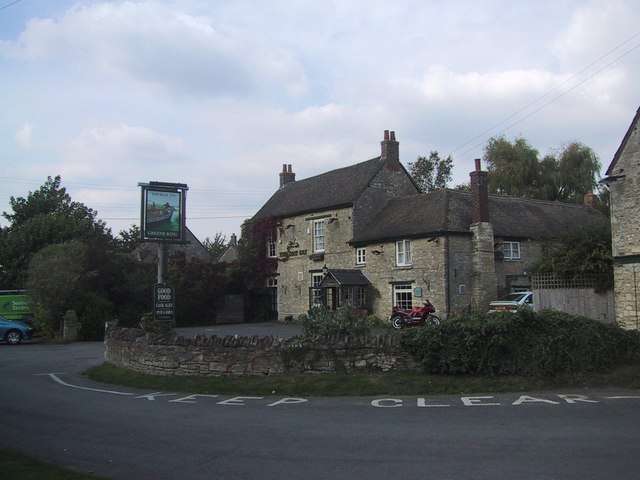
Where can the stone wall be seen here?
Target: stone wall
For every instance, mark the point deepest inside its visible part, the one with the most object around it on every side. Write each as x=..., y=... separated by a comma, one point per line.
x=170, y=355
x=625, y=217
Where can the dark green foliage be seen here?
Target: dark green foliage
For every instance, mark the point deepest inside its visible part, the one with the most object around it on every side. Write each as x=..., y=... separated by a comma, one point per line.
x=431, y=173
x=524, y=343
x=583, y=253
x=46, y=216
x=199, y=288
x=564, y=175
x=94, y=312
x=343, y=321
x=217, y=246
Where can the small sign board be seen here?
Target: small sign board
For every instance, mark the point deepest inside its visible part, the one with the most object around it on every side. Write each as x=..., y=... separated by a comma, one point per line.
x=164, y=303
x=162, y=212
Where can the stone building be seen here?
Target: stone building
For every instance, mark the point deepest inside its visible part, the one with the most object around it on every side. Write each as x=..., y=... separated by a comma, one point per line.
x=230, y=253
x=623, y=178
x=364, y=235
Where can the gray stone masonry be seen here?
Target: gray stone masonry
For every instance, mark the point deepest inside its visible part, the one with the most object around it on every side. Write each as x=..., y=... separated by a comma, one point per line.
x=170, y=355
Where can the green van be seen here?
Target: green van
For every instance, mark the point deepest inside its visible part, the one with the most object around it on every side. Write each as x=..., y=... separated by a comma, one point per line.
x=15, y=305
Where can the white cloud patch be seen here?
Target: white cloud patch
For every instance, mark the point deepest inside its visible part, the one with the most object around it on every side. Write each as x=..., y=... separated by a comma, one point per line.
x=24, y=136
x=122, y=152
x=155, y=44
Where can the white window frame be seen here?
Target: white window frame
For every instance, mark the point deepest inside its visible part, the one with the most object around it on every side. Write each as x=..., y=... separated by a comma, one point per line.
x=316, y=280
x=271, y=244
x=317, y=230
x=511, y=251
x=361, y=256
x=403, y=296
x=403, y=253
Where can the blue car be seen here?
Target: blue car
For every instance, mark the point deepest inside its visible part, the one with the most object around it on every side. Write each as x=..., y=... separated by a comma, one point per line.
x=14, y=331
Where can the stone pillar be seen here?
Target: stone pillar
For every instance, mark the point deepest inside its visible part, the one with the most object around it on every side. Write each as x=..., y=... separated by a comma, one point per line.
x=483, y=274
x=70, y=326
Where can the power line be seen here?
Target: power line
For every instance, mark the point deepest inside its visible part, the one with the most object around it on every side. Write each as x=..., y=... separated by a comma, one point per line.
x=549, y=93
x=9, y=4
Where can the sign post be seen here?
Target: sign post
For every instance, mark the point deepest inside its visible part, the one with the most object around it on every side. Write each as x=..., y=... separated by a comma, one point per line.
x=162, y=221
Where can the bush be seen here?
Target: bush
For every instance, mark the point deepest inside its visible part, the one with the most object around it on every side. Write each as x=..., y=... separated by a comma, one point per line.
x=525, y=343
x=343, y=321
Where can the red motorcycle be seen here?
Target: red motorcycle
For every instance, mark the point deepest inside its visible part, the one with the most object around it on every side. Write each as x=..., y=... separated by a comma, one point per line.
x=416, y=317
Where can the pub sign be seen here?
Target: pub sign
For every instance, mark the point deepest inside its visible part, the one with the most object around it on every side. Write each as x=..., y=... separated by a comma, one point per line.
x=162, y=212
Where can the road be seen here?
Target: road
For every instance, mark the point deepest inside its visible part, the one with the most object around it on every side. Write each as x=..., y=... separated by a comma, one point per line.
x=50, y=411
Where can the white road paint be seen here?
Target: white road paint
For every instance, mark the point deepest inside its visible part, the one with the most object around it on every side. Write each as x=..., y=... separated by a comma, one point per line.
x=55, y=377
x=421, y=402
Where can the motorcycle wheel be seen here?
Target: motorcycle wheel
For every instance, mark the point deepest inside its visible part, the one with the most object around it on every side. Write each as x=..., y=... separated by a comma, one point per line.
x=433, y=320
x=397, y=322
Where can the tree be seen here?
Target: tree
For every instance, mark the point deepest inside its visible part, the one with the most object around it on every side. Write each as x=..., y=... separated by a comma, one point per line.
x=200, y=289
x=128, y=240
x=570, y=173
x=564, y=175
x=582, y=253
x=431, y=173
x=513, y=167
x=46, y=216
x=217, y=246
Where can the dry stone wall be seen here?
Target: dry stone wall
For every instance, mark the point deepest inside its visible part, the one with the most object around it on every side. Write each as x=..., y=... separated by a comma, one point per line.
x=170, y=355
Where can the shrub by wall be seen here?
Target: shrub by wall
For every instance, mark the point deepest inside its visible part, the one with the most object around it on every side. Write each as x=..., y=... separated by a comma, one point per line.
x=524, y=343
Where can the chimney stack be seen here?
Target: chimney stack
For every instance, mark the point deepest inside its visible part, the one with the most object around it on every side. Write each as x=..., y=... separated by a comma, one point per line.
x=591, y=199
x=390, y=150
x=286, y=176
x=479, y=195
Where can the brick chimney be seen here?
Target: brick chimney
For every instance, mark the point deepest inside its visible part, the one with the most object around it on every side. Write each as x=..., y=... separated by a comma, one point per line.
x=286, y=176
x=484, y=284
x=234, y=240
x=390, y=151
x=479, y=195
x=591, y=199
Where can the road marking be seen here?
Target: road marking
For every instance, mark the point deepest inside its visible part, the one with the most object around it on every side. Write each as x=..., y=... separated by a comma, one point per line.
x=55, y=377
x=624, y=397
x=152, y=396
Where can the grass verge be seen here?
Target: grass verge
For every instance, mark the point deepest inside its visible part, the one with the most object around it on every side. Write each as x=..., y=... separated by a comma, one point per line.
x=15, y=465
x=364, y=384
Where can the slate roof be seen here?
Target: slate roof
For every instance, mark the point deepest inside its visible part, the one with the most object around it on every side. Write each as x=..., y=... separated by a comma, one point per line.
x=449, y=211
x=347, y=277
x=337, y=188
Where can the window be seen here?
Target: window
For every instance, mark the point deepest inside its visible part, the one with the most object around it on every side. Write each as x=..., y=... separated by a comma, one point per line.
x=511, y=250
x=318, y=235
x=316, y=291
x=403, y=253
x=403, y=296
x=361, y=256
x=347, y=296
x=271, y=244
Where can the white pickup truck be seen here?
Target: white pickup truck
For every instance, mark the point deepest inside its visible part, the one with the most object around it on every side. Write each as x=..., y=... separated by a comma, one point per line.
x=512, y=302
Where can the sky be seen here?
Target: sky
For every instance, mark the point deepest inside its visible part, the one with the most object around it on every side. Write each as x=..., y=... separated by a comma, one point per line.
x=219, y=95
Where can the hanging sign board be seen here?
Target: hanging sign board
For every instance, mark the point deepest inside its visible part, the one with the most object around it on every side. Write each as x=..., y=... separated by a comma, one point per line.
x=162, y=212
x=164, y=303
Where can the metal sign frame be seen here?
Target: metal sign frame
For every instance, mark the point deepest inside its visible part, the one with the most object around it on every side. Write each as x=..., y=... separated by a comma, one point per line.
x=162, y=212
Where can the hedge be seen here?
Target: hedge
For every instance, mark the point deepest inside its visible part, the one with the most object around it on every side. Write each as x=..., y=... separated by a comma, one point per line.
x=525, y=343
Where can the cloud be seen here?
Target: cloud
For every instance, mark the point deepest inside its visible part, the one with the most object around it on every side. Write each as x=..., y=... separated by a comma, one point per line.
x=122, y=152
x=24, y=136
x=156, y=45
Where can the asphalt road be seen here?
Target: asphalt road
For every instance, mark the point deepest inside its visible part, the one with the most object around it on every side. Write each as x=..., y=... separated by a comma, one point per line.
x=49, y=410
